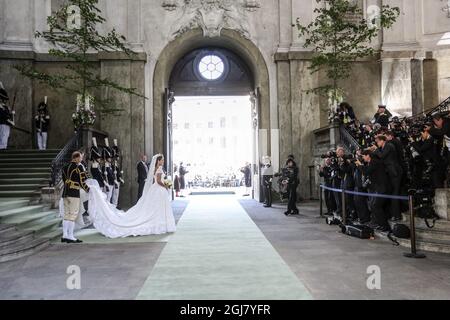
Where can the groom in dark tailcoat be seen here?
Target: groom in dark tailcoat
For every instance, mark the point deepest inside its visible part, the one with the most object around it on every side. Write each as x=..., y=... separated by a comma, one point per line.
x=142, y=169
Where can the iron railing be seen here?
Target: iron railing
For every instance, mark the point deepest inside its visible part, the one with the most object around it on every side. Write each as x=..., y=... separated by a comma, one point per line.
x=63, y=157
x=444, y=106
x=347, y=140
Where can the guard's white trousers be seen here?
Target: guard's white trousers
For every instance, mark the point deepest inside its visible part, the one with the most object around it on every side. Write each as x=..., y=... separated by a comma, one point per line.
x=109, y=193
x=4, y=136
x=42, y=140
x=115, y=196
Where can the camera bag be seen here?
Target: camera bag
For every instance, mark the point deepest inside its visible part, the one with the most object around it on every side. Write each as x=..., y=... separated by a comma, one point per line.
x=358, y=231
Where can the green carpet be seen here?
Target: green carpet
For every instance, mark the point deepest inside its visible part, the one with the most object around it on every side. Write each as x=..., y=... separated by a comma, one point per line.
x=219, y=253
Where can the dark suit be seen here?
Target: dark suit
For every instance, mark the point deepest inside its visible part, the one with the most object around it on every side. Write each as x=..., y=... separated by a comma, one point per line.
x=361, y=202
x=389, y=156
x=142, y=169
x=376, y=172
x=430, y=174
x=442, y=152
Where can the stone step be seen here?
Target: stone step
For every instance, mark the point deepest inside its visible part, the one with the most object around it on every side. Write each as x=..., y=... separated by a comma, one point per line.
x=51, y=152
x=441, y=225
x=25, y=180
x=14, y=237
x=432, y=246
x=6, y=187
x=55, y=234
x=23, y=249
x=38, y=157
x=13, y=204
x=22, y=210
x=41, y=228
x=5, y=228
x=44, y=165
x=27, y=169
x=431, y=235
x=24, y=221
x=24, y=175
x=19, y=193
x=25, y=160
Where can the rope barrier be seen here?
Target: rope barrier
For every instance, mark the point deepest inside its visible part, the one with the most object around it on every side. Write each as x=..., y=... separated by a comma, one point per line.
x=410, y=199
x=366, y=194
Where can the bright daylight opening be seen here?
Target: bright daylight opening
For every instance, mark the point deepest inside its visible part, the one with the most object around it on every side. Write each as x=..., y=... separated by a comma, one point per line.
x=212, y=137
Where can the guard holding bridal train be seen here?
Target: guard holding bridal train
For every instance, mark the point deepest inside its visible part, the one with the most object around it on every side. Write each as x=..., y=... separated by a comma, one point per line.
x=74, y=181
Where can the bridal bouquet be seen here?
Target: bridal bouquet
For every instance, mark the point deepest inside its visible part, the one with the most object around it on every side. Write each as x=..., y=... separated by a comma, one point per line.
x=168, y=183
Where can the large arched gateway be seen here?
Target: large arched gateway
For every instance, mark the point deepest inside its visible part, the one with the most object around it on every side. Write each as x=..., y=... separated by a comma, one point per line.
x=241, y=71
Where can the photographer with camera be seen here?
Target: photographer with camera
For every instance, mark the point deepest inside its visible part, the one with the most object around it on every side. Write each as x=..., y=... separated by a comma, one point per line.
x=377, y=183
x=347, y=167
x=361, y=184
x=326, y=171
x=289, y=182
x=388, y=154
x=440, y=130
x=382, y=117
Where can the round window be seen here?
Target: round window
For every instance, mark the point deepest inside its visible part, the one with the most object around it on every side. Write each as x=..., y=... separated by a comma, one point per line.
x=211, y=67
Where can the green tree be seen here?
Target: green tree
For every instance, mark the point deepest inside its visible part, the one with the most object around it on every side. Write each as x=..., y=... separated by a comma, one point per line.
x=73, y=35
x=340, y=35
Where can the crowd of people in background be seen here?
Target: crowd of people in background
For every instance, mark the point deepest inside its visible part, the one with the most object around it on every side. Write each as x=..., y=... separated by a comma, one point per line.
x=396, y=157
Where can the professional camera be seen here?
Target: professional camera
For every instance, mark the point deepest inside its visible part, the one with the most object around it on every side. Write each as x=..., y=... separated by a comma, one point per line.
x=329, y=154
x=423, y=204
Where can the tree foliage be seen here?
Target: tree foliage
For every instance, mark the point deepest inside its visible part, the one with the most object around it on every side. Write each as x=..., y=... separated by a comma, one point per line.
x=74, y=35
x=340, y=35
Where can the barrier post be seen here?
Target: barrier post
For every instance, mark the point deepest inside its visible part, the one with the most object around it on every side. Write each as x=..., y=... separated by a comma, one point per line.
x=321, y=200
x=344, y=207
x=413, y=253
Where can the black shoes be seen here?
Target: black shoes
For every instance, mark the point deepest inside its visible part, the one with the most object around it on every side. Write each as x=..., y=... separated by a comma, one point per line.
x=295, y=212
x=396, y=219
x=64, y=240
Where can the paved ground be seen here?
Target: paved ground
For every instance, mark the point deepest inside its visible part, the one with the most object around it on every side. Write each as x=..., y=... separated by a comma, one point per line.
x=334, y=266
x=330, y=265
x=108, y=271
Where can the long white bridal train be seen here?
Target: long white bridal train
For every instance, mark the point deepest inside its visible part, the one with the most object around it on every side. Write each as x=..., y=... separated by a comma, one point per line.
x=151, y=215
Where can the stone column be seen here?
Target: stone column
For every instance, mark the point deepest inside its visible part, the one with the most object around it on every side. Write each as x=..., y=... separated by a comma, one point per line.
x=430, y=83
x=284, y=109
x=417, y=86
x=285, y=16
x=396, y=82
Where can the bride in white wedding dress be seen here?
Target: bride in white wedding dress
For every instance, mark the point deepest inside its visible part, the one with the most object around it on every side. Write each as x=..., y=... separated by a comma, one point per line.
x=151, y=215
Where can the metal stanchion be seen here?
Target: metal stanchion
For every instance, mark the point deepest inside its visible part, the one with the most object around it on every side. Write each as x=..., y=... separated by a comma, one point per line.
x=344, y=208
x=320, y=199
x=413, y=253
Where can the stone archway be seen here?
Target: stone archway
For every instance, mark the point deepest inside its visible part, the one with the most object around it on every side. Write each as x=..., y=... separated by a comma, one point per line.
x=192, y=40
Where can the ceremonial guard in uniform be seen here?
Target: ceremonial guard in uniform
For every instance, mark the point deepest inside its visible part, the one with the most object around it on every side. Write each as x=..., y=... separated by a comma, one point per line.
x=142, y=171
x=42, y=122
x=84, y=197
x=96, y=166
x=118, y=173
x=107, y=170
x=6, y=118
x=74, y=181
x=267, y=177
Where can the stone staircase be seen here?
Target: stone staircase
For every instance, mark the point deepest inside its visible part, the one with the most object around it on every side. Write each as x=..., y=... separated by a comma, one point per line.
x=26, y=225
x=436, y=239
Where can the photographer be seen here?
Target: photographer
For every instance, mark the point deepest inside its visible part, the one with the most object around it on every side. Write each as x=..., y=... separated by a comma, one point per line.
x=382, y=117
x=326, y=171
x=388, y=154
x=289, y=178
x=427, y=166
x=441, y=132
x=361, y=184
x=378, y=183
x=347, y=168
